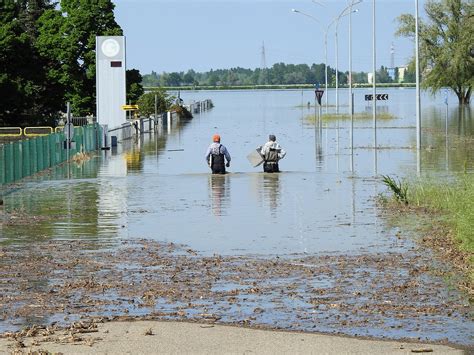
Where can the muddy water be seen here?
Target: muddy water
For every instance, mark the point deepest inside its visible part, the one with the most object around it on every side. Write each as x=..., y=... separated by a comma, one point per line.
x=158, y=187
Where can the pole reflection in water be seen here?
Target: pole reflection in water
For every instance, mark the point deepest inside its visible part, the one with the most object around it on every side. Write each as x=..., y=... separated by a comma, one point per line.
x=219, y=191
x=337, y=144
x=318, y=142
x=112, y=199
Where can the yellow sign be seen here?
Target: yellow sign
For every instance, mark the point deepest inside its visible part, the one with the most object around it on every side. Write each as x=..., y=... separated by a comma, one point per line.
x=130, y=107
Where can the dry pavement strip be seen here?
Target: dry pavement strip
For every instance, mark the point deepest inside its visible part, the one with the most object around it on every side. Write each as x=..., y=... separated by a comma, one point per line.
x=155, y=337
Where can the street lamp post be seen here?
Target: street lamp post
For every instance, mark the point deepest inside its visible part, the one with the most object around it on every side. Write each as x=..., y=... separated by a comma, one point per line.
x=342, y=14
x=351, y=103
x=326, y=65
x=418, y=105
x=325, y=50
x=351, y=98
x=337, y=66
x=374, y=87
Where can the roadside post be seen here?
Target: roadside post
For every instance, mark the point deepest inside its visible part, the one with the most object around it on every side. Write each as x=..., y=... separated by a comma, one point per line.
x=156, y=111
x=318, y=93
x=129, y=108
x=446, y=93
x=69, y=132
x=374, y=98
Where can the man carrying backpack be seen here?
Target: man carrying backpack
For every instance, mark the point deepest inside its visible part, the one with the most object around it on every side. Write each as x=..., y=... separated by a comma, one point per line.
x=272, y=153
x=216, y=155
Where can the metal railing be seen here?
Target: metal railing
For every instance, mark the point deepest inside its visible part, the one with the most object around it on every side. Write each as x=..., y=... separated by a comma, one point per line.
x=37, y=131
x=11, y=131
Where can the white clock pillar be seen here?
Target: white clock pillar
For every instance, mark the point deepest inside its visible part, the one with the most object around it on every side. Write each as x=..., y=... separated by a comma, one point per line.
x=110, y=81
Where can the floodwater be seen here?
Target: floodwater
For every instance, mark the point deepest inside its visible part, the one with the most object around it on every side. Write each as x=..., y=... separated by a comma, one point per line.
x=158, y=186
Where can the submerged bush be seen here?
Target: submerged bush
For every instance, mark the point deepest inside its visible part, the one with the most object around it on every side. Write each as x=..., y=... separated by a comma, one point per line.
x=399, y=189
x=182, y=111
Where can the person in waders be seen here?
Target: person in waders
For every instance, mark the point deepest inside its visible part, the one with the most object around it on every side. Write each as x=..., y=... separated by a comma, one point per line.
x=272, y=153
x=216, y=155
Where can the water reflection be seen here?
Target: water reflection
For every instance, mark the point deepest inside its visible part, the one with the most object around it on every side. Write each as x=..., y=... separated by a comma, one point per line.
x=219, y=189
x=134, y=158
x=271, y=190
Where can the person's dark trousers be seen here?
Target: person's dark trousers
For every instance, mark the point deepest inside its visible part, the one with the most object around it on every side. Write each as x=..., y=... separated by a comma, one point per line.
x=218, y=164
x=271, y=167
x=218, y=171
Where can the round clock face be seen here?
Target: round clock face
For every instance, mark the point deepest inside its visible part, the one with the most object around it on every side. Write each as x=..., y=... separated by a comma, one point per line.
x=110, y=47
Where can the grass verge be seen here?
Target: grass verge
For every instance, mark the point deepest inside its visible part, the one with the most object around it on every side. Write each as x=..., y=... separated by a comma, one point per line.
x=448, y=209
x=357, y=116
x=454, y=200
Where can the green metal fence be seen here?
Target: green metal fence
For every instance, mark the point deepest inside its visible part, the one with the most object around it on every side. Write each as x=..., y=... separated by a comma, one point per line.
x=26, y=157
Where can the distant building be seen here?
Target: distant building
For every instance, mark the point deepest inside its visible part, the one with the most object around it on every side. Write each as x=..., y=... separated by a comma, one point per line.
x=370, y=78
x=391, y=73
x=401, y=74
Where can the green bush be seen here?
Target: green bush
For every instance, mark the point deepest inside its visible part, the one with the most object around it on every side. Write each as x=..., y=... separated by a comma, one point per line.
x=146, y=102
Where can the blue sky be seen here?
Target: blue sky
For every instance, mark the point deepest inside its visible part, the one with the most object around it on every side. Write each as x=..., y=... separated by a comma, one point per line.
x=164, y=35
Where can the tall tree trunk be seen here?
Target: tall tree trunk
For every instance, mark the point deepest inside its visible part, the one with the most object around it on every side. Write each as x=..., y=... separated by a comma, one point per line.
x=467, y=97
x=464, y=97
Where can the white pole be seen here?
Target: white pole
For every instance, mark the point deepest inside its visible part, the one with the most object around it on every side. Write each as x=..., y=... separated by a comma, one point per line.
x=68, y=135
x=446, y=129
x=418, y=105
x=343, y=13
x=337, y=69
x=350, y=87
x=156, y=110
x=374, y=86
x=326, y=64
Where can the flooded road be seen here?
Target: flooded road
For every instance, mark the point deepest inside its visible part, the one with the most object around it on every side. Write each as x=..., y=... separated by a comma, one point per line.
x=158, y=187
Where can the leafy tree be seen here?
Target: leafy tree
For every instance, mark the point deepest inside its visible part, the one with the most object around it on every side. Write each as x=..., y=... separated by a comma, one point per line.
x=188, y=78
x=445, y=44
x=359, y=77
x=151, y=79
x=383, y=76
x=396, y=78
x=134, y=86
x=146, y=103
x=213, y=79
x=174, y=79
x=67, y=39
x=410, y=73
x=28, y=97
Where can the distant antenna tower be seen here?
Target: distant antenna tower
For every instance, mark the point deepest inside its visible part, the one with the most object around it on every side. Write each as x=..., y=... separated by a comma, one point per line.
x=263, y=60
x=392, y=56
x=263, y=65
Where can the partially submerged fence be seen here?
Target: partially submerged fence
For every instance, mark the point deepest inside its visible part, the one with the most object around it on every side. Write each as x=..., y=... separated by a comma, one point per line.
x=199, y=106
x=26, y=157
x=149, y=124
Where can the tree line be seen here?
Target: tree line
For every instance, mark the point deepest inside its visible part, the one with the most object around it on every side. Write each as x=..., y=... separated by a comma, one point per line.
x=278, y=74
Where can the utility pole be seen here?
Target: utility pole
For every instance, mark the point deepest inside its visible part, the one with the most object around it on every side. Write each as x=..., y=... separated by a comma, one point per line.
x=418, y=105
x=374, y=84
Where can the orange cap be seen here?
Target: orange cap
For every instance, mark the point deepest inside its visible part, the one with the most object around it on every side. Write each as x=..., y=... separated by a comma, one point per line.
x=216, y=138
